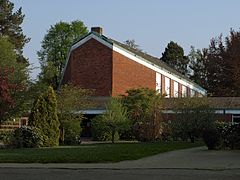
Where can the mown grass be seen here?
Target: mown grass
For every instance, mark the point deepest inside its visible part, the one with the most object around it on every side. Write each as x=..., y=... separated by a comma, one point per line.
x=95, y=153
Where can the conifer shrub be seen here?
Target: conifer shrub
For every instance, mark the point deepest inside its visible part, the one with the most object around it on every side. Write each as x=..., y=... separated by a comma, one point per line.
x=44, y=117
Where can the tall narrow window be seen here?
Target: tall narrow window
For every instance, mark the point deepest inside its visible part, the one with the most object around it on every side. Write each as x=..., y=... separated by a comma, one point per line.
x=192, y=93
x=158, y=83
x=167, y=87
x=175, y=89
x=184, y=91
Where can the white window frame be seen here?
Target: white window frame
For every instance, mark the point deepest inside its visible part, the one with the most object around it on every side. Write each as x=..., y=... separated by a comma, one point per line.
x=158, y=82
x=184, y=91
x=167, y=87
x=192, y=93
x=175, y=90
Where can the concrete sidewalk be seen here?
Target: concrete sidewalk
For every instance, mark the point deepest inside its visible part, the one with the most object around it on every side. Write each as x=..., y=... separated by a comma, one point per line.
x=195, y=158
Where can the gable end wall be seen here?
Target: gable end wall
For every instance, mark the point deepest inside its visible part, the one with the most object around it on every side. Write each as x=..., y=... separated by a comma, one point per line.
x=90, y=66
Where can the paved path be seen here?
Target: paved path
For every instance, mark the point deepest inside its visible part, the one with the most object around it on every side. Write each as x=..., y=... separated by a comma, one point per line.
x=195, y=163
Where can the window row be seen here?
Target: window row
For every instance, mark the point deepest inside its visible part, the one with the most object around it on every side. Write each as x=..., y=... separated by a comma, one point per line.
x=172, y=88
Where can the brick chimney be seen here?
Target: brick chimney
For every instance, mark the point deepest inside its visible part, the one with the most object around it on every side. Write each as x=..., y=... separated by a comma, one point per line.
x=98, y=30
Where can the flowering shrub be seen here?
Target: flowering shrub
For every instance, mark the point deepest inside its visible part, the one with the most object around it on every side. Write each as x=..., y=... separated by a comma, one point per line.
x=5, y=136
x=222, y=136
x=231, y=136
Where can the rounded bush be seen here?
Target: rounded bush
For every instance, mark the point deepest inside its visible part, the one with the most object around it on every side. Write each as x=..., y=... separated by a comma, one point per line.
x=212, y=138
x=71, y=133
x=27, y=137
x=231, y=136
x=100, y=131
x=5, y=136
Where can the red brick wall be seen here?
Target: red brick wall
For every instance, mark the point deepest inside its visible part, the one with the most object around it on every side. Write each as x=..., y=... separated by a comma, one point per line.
x=179, y=90
x=171, y=88
x=188, y=92
x=90, y=66
x=129, y=74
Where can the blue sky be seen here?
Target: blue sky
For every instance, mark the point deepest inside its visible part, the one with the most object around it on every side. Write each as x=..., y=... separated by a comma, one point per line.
x=152, y=23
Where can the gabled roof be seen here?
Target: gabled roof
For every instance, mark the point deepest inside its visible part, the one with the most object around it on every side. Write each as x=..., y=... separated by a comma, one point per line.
x=152, y=59
x=148, y=58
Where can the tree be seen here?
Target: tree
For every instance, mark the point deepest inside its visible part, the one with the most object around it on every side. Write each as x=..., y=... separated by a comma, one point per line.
x=223, y=60
x=193, y=115
x=70, y=101
x=54, y=49
x=217, y=76
x=13, y=82
x=144, y=110
x=198, y=66
x=232, y=58
x=115, y=118
x=132, y=44
x=6, y=100
x=216, y=68
x=10, y=26
x=44, y=117
x=174, y=57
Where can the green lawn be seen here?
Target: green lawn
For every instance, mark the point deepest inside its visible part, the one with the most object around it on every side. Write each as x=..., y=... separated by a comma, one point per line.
x=96, y=153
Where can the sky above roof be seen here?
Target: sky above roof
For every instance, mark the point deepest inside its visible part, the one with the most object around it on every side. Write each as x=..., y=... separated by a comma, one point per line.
x=151, y=23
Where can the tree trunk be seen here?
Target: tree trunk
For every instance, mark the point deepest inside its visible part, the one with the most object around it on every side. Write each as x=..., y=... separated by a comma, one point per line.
x=113, y=134
x=192, y=138
x=62, y=134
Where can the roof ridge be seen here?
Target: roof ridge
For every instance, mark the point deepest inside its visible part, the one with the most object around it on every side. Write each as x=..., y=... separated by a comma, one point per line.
x=144, y=55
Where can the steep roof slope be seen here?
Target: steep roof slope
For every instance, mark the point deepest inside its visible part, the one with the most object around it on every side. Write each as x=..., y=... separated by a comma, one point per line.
x=152, y=60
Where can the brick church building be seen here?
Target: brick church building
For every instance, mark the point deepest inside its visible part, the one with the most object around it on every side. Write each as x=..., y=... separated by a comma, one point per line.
x=110, y=68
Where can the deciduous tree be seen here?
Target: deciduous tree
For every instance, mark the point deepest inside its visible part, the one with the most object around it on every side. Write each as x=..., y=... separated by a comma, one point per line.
x=132, y=44
x=223, y=61
x=54, y=49
x=70, y=101
x=144, y=110
x=13, y=82
x=115, y=118
x=193, y=115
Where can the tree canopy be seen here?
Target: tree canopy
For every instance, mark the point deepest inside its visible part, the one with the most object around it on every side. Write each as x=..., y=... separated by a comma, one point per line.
x=13, y=81
x=144, y=110
x=198, y=66
x=132, y=44
x=174, y=57
x=193, y=116
x=71, y=99
x=217, y=67
x=54, y=49
x=10, y=26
